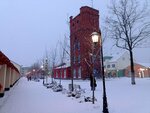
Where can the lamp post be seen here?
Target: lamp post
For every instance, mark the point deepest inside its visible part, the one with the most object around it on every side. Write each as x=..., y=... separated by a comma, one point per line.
x=33, y=74
x=42, y=68
x=95, y=37
x=95, y=41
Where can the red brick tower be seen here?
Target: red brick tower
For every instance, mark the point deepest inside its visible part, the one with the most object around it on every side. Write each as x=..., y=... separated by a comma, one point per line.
x=81, y=28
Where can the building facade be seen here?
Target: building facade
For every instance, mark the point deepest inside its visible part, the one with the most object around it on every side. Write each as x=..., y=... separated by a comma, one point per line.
x=141, y=70
x=62, y=72
x=81, y=46
x=116, y=64
x=9, y=74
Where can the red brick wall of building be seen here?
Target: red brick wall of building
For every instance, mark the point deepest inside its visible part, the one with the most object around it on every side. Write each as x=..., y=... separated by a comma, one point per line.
x=81, y=28
x=66, y=73
x=140, y=71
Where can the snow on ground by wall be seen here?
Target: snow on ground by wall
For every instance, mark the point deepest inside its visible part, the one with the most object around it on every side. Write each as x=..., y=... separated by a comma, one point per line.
x=33, y=97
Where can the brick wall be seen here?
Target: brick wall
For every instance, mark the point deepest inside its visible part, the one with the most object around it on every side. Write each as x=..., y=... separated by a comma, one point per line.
x=81, y=28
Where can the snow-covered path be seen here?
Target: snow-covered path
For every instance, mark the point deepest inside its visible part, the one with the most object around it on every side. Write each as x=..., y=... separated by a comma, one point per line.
x=33, y=97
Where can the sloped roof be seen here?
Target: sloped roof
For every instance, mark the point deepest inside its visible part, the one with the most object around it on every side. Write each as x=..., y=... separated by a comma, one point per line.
x=107, y=57
x=144, y=64
x=65, y=64
x=5, y=60
x=139, y=55
x=117, y=55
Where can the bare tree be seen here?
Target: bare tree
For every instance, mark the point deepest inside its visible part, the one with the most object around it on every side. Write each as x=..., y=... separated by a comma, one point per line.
x=46, y=61
x=128, y=25
x=63, y=47
x=53, y=61
x=35, y=66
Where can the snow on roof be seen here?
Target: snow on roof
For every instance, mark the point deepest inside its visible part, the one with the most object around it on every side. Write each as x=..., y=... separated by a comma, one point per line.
x=139, y=54
x=66, y=64
x=117, y=55
x=144, y=64
x=67, y=61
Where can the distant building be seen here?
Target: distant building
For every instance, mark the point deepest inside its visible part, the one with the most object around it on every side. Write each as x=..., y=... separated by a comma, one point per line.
x=62, y=72
x=25, y=71
x=141, y=70
x=9, y=73
x=119, y=64
x=115, y=65
x=81, y=28
x=141, y=63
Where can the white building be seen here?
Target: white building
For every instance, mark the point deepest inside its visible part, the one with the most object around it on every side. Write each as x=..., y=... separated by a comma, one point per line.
x=115, y=64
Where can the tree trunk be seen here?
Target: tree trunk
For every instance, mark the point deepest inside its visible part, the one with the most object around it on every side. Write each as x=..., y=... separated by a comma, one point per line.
x=132, y=68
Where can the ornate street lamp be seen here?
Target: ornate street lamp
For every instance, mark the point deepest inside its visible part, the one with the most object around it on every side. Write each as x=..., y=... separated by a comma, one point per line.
x=95, y=38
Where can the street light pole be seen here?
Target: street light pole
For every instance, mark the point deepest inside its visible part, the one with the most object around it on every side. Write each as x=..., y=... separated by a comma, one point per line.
x=93, y=72
x=96, y=36
x=95, y=41
x=105, y=104
x=42, y=68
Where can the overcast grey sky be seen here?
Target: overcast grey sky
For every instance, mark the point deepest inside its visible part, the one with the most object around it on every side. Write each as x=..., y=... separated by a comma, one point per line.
x=29, y=27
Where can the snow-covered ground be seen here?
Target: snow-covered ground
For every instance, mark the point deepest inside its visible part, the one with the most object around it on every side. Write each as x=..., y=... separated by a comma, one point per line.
x=33, y=97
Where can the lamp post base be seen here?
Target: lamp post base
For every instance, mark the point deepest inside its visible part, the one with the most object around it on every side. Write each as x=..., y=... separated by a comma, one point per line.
x=105, y=106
